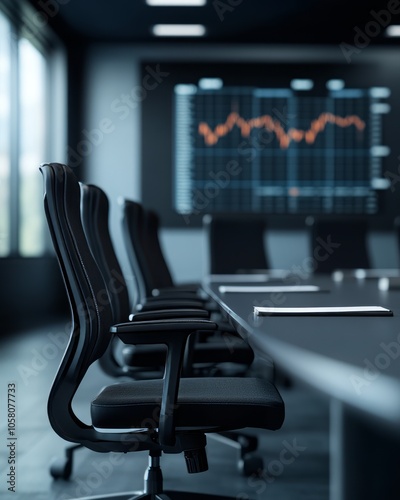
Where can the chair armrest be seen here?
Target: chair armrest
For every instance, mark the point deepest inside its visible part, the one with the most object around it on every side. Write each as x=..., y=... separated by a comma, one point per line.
x=138, y=332
x=175, y=294
x=193, y=288
x=169, y=314
x=174, y=333
x=157, y=304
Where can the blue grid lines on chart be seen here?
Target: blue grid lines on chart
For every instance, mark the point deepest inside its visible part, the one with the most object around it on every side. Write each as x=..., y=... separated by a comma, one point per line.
x=294, y=152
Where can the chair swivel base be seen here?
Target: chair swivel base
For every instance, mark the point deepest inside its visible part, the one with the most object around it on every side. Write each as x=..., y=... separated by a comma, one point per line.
x=153, y=485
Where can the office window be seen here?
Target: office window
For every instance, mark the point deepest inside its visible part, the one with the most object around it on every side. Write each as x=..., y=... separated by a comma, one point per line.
x=5, y=70
x=32, y=147
x=27, y=69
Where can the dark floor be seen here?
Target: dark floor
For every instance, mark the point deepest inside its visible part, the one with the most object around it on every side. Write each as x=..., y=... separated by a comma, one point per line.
x=30, y=358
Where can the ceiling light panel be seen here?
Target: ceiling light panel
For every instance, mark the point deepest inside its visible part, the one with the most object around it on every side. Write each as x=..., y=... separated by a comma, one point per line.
x=176, y=3
x=179, y=30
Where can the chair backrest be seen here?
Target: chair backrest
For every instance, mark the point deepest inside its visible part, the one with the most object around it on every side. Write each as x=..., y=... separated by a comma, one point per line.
x=140, y=229
x=161, y=275
x=235, y=243
x=133, y=228
x=95, y=217
x=95, y=220
x=339, y=244
x=87, y=293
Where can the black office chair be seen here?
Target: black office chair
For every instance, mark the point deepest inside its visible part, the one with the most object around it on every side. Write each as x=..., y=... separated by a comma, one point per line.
x=236, y=243
x=170, y=415
x=141, y=236
x=222, y=353
x=156, y=286
x=338, y=244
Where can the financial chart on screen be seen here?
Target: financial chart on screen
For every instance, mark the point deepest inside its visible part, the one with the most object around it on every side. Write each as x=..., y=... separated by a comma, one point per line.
x=279, y=150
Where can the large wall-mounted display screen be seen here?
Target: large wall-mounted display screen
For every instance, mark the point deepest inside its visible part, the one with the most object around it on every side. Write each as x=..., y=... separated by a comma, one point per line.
x=281, y=140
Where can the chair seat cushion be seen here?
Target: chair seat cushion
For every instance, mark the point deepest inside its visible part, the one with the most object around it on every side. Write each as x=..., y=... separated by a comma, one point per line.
x=220, y=403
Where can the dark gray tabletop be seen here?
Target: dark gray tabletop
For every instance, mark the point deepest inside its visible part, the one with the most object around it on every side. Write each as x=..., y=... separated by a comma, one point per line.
x=354, y=359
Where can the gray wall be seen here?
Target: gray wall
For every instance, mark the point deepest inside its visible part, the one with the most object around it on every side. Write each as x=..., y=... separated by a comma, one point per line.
x=112, y=71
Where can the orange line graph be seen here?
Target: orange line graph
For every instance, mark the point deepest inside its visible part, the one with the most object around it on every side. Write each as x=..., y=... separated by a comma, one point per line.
x=211, y=136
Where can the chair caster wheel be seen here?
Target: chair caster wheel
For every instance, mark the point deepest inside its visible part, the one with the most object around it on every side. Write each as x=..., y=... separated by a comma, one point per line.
x=251, y=464
x=61, y=468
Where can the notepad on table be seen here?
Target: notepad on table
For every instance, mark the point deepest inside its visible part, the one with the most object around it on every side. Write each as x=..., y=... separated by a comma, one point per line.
x=323, y=311
x=268, y=288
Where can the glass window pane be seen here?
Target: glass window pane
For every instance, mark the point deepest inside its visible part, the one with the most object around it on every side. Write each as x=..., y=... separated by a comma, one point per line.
x=5, y=58
x=32, y=101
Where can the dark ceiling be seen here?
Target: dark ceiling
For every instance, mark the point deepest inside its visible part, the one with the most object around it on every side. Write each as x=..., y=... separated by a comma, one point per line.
x=226, y=21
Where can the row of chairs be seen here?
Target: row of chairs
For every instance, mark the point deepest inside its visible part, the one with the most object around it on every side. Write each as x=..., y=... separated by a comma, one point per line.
x=344, y=244
x=159, y=296
x=140, y=229
x=171, y=414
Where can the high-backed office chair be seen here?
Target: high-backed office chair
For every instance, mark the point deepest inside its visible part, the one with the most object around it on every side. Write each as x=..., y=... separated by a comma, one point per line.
x=170, y=415
x=156, y=286
x=140, y=232
x=236, y=244
x=339, y=244
x=225, y=353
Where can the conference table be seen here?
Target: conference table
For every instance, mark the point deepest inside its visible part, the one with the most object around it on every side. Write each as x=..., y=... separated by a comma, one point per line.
x=354, y=360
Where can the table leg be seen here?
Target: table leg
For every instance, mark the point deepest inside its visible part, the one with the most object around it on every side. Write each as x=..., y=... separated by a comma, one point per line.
x=364, y=457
